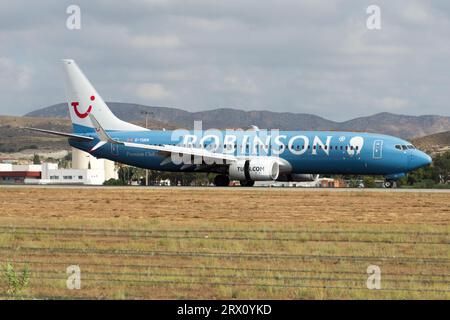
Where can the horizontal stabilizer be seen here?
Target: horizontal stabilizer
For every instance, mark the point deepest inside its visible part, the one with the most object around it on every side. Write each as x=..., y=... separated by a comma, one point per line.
x=63, y=134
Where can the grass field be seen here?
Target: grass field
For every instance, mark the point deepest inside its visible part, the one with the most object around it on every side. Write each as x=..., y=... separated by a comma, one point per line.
x=229, y=243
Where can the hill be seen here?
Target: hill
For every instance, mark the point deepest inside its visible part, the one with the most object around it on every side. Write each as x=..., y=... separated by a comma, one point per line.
x=398, y=125
x=15, y=139
x=435, y=143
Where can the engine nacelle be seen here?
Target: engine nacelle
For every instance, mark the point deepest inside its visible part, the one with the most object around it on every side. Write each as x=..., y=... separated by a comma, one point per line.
x=254, y=169
x=298, y=177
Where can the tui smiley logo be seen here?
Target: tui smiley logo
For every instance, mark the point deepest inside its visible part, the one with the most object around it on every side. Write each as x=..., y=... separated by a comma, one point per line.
x=80, y=115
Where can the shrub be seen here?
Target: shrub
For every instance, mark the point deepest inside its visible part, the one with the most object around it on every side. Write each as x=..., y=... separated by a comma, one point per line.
x=15, y=282
x=369, y=182
x=114, y=182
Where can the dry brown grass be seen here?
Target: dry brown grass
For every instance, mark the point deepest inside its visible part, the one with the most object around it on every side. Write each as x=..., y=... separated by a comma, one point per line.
x=128, y=243
x=226, y=205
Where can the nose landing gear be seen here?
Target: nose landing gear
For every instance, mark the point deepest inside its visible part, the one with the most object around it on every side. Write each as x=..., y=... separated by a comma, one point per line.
x=390, y=184
x=391, y=180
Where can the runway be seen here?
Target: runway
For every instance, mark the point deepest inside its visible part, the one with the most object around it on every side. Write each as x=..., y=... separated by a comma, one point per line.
x=285, y=189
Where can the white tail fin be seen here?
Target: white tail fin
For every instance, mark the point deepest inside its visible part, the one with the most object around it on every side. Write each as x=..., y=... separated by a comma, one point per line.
x=83, y=99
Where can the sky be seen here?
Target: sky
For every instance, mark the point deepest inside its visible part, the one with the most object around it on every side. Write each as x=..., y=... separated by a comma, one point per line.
x=308, y=56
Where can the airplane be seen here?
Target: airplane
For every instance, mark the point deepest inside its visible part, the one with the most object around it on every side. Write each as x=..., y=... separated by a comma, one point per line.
x=248, y=156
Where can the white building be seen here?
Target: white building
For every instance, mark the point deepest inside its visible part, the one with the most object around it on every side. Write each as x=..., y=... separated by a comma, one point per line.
x=51, y=174
x=87, y=170
x=83, y=160
x=165, y=182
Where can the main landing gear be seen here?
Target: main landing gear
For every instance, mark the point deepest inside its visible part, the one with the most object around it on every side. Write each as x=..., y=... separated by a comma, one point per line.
x=247, y=183
x=389, y=184
x=221, y=180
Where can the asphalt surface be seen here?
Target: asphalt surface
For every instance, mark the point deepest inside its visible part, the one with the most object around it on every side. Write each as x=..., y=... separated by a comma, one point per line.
x=287, y=189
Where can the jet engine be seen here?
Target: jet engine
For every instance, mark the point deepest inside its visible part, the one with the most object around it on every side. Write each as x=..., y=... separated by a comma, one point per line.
x=254, y=170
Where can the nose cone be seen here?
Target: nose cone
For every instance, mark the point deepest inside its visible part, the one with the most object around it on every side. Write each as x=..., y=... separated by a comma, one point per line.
x=421, y=159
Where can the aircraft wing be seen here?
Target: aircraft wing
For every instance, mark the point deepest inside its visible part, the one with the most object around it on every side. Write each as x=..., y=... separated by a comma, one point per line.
x=169, y=149
x=105, y=137
x=182, y=150
x=285, y=166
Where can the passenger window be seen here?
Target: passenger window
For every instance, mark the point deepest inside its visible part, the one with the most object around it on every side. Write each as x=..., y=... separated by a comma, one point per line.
x=357, y=147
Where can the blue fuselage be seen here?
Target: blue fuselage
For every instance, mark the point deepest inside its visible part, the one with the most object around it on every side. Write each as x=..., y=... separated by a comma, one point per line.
x=324, y=152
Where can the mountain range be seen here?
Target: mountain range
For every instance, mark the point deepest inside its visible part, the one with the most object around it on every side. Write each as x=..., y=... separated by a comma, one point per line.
x=434, y=143
x=403, y=126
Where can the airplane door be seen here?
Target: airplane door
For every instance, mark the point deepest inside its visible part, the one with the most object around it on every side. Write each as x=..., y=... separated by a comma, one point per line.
x=114, y=149
x=378, y=149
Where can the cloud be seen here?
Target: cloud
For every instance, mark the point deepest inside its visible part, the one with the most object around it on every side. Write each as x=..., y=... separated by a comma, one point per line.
x=146, y=41
x=240, y=84
x=393, y=103
x=152, y=91
x=299, y=56
x=14, y=77
x=417, y=13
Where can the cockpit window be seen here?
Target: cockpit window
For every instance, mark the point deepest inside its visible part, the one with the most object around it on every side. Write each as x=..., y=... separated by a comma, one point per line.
x=399, y=147
x=410, y=146
x=404, y=147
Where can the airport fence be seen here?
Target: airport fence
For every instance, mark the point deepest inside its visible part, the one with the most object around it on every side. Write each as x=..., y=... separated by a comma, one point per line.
x=204, y=266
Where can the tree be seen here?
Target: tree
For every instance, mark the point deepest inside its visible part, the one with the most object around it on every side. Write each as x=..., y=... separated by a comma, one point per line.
x=113, y=182
x=441, y=163
x=138, y=174
x=125, y=173
x=36, y=159
x=369, y=182
x=428, y=177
